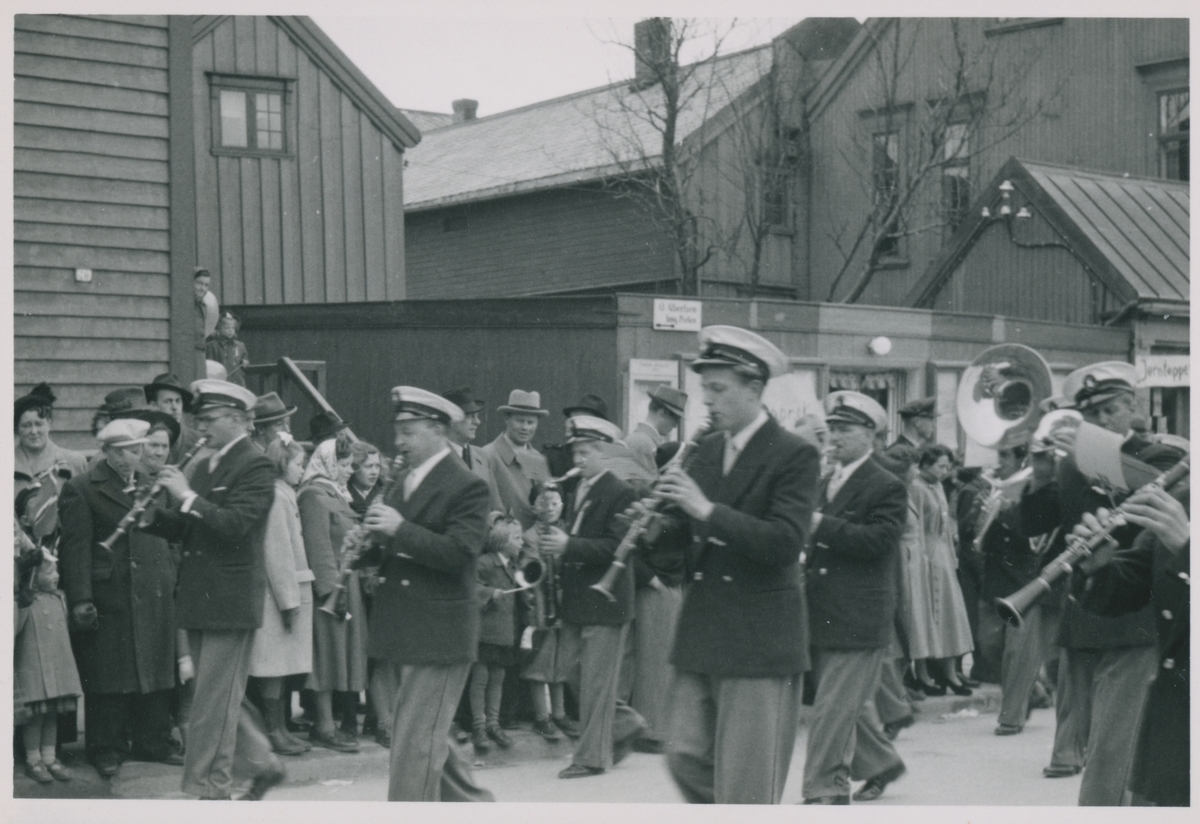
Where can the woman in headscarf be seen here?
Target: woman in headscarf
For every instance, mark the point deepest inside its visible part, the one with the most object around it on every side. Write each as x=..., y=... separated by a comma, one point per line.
x=339, y=660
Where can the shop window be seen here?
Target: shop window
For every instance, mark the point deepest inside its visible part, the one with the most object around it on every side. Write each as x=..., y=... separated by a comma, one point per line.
x=1174, y=129
x=249, y=115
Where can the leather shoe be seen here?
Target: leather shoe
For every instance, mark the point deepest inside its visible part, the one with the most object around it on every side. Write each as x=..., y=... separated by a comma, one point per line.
x=649, y=745
x=107, y=763
x=382, y=738
x=264, y=781
x=968, y=681
x=546, y=729
x=623, y=747
x=39, y=773
x=1060, y=771
x=876, y=785
x=334, y=741
x=56, y=769
x=498, y=735
x=580, y=771
x=479, y=740
x=567, y=726
x=1008, y=729
x=829, y=799
x=284, y=745
x=892, y=729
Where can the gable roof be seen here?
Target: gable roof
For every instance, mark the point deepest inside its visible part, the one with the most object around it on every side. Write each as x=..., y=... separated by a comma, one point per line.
x=1133, y=232
x=585, y=136
x=339, y=68
x=428, y=121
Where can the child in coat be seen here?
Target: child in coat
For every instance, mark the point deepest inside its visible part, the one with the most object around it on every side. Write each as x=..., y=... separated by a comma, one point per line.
x=224, y=347
x=499, y=631
x=547, y=672
x=45, y=680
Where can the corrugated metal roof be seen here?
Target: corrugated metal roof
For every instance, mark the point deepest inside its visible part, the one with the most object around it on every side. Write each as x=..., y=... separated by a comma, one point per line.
x=581, y=137
x=1140, y=225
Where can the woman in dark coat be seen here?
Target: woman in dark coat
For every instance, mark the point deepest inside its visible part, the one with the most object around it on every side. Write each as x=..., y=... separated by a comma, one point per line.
x=339, y=661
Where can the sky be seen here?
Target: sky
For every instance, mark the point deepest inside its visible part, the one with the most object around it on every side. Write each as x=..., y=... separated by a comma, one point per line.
x=506, y=62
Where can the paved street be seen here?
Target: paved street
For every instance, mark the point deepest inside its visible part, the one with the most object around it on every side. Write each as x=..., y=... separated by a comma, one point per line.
x=953, y=759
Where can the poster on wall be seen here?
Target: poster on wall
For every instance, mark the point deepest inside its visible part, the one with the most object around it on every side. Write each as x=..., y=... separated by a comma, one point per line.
x=788, y=397
x=644, y=375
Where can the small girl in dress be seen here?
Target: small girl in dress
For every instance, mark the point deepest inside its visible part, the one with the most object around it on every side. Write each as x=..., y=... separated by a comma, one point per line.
x=45, y=680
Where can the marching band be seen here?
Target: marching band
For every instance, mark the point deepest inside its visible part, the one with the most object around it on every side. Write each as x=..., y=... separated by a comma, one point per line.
x=692, y=598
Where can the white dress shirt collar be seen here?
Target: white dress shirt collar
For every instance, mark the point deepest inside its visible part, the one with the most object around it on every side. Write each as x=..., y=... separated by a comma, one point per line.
x=842, y=472
x=215, y=459
x=734, y=444
x=418, y=474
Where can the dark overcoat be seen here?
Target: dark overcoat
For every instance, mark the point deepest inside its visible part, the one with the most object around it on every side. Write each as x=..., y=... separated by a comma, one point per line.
x=1062, y=503
x=425, y=610
x=1148, y=574
x=743, y=611
x=132, y=588
x=852, y=567
x=222, y=578
x=595, y=531
x=500, y=615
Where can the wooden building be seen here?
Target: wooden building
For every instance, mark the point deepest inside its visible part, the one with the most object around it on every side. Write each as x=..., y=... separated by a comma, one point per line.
x=124, y=183
x=613, y=345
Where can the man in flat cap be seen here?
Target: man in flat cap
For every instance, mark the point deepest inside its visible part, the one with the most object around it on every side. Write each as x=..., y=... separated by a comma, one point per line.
x=122, y=604
x=667, y=405
x=220, y=516
x=918, y=421
x=1107, y=663
x=852, y=590
x=514, y=463
x=425, y=618
x=462, y=436
x=594, y=625
x=742, y=506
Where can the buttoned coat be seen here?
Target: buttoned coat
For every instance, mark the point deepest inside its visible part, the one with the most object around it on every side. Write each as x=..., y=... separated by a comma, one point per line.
x=515, y=472
x=500, y=615
x=743, y=611
x=221, y=575
x=1062, y=503
x=277, y=650
x=1149, y=575
x=132, y=587
x=479, y=465
x=595, y=532
x=43, y=666
x=425, y=610
x=852, y=567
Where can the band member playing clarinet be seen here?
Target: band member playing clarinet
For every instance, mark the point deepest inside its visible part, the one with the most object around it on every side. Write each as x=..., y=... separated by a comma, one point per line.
x=745, y=501
x=594, y=625
x=425, y=618
x=122, y=604
x=1107, y=663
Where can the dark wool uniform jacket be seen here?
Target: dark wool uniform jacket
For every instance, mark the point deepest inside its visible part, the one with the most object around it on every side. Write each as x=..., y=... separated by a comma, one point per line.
x=595, y=531
x=425, y=609
x=743, y=611
x=222, y=578
x=1148, y=574
x=1063, y=502
x=132, y=587
x=852, y=568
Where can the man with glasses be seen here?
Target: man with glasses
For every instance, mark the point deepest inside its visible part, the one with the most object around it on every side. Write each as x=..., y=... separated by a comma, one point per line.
x=220, y=516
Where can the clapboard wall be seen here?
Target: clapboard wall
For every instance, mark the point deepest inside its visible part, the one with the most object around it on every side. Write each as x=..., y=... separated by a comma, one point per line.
x=325, y=223
x=90, y=181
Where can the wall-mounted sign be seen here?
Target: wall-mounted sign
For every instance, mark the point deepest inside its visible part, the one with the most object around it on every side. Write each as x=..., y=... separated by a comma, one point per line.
x=1162, y=370
x=677, y=315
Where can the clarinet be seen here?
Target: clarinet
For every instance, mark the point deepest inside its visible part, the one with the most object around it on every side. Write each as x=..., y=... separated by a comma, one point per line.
x=140, y=505
x=358, y=541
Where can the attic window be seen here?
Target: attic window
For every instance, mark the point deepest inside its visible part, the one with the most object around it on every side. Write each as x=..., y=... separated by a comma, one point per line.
x=249, y=115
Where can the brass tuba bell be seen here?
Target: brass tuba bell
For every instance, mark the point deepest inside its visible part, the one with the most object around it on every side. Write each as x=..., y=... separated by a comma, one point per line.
x=999, y=394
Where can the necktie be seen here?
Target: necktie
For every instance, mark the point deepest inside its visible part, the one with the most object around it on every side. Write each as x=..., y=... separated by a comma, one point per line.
x=731, y=455
x=835, y=482
x=467, y=456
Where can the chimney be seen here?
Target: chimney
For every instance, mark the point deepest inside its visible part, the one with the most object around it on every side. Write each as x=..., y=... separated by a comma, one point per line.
x=464, y=109
x=651, y=47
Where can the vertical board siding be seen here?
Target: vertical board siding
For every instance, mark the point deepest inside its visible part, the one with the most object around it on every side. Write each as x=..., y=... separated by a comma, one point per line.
x=323, y=224
x=90, y=184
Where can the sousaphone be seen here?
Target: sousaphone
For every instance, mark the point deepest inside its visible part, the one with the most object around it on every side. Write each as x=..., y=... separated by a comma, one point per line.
x=999, y=394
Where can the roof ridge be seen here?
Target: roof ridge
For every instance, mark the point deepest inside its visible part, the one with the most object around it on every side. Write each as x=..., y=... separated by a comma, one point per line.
x=1028, y=162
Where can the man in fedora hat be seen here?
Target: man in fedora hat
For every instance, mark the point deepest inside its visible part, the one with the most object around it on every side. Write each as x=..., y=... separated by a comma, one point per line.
x=123, y=602
x=272, y=420
x=322, y=427
x=166, y=393
x=220, y=516
x=462, y=435
x=852, y=590
x=514, y=463
x=667, y=405
x=742, y=505
x=425, y=618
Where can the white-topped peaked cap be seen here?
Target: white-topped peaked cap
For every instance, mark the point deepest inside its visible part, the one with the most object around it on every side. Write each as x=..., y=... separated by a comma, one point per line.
x=855, y=407
x=124, y=432
x=211, y=392
x=741, y=349
x=412, y=403
x=1095, y=384
x=591, y=428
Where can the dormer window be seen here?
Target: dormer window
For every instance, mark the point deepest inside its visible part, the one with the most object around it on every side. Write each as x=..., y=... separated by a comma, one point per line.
x=249, y=115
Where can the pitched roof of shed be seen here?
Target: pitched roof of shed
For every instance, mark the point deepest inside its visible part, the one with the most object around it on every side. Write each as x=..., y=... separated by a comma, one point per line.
x=580, y=137
x=1132, y=231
